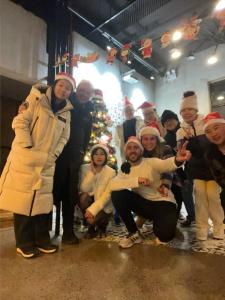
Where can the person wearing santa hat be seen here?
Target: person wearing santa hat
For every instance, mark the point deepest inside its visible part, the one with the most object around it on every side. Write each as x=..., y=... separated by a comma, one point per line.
x=66, y=179
x=150, y=116
x=135, y=189
x=206, y=190
x=215, y=155
x=42, y=129
x=130, y=127
x=94, y=179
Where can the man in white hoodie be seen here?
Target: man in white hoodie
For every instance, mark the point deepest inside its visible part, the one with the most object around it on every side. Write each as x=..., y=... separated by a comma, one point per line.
x=142, y=175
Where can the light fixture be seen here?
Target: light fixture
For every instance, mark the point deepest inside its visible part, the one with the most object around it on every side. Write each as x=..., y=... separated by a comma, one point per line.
x=212, y=60
x=177, y=35
x=175, y=53
x=220, y=5
x=109, y=47
x=129, y=62
x=220, y=98
x=191, y=56
x=152, y=77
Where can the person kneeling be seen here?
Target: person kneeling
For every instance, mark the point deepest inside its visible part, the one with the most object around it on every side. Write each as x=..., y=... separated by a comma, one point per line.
x=94, y=179
x=142, y=175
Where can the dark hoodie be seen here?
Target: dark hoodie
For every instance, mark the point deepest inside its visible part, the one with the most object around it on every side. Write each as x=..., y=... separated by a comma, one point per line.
x=170, y=136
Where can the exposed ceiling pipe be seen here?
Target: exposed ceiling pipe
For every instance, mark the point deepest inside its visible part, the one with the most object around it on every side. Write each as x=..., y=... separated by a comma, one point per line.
x=113, y=17
x=116, y=42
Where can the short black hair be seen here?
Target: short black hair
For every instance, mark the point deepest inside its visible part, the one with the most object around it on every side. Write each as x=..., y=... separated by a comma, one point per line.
x=188, y=94
x=94, y=152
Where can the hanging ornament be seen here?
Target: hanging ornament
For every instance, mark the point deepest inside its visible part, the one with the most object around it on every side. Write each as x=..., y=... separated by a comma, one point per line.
x=191, y=29
x=146, y=48
x=89, y=58
x=124, y=52
x=111, y=55
x=220, y=16
x=165, y=39
x=74, y=60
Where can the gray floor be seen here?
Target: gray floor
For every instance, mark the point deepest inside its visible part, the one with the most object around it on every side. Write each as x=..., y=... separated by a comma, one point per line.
x=100, y=270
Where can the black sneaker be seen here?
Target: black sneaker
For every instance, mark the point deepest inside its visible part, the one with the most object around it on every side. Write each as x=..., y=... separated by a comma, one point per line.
x=28, y=252
x=70, y=239
x=48, y=249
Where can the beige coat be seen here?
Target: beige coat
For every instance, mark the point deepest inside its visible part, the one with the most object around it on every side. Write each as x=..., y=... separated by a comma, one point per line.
x=27, y=179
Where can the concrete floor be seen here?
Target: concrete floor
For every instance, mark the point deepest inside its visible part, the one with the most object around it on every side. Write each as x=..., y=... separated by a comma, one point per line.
x=100, y=270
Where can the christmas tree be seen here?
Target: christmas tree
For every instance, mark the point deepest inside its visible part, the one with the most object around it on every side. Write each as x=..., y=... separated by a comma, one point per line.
x=100, y=129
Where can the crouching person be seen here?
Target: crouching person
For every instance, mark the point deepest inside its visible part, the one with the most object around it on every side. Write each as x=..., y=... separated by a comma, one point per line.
x=42, y=129
x=94, y=179
x=143, y=177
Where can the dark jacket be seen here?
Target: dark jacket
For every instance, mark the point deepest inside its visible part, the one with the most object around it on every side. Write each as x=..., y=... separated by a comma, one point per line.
x=68, y=164
x=216, y=162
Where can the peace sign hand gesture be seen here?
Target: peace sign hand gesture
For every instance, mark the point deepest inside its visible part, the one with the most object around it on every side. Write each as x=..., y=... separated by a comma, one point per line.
x=182, y=153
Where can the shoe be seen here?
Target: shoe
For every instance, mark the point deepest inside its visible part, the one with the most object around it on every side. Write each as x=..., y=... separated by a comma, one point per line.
x=131, y=240
x=91, y=233
x=70, y=239
x=187, y=223
x=157, y=242
x=28, y=252
x=48, y=249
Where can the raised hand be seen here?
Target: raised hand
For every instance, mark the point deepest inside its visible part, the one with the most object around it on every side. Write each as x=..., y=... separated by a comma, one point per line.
x=89, y=217
x=182, y=153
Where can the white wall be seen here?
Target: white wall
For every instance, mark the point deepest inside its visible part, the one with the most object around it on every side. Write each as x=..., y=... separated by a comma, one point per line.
x=22, y=43
x=192, y=75
x=108, y=77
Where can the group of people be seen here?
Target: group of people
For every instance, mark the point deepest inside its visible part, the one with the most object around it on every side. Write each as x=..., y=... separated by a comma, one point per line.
x=161, y=161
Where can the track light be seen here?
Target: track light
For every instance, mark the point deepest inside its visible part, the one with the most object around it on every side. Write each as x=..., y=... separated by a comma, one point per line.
x=212, y=60
x=177, y=35
x=175, y=53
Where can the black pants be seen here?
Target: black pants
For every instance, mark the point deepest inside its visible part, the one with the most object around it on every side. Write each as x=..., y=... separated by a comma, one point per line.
x=187, y=191
x=177, y=192
x=163, y=213
x=65, y=189
x=222, y=197
x=31, y=231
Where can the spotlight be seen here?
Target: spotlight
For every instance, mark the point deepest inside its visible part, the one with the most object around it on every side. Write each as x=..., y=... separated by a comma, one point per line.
x=152, y=77
x=220, y=98
x=220, y=5
x=212, y=60
x=177, y=35
x=109, y=48
x=191, y=56
x=175, y=53
x=129, y=62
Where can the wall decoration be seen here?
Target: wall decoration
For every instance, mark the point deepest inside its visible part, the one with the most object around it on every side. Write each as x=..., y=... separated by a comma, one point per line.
x=124, y=52
x=146, y=48
x=111, y=55
x=191, y=29
x=165, y=39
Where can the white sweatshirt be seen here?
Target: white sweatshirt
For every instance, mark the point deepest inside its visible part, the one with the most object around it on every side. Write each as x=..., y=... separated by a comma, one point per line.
x=150, y=168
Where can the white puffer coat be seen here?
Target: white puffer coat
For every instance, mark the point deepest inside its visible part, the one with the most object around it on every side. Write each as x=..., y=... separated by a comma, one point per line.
x=40, y=135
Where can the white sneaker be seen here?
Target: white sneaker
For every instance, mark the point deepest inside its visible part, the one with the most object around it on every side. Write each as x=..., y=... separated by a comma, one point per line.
x=130, y=240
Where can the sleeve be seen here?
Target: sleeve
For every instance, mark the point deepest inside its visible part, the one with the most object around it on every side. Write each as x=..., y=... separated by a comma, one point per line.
x=64, y=137
x=167, y=177
x=180, y=134
x=87, y=179
x=22, y=122
x=162, y=166
x=119, y=182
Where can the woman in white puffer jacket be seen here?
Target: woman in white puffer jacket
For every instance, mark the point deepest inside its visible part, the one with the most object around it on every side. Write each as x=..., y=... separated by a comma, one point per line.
x=41, y=131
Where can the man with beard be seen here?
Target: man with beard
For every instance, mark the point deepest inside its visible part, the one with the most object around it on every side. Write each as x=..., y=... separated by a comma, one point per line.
x=142, y=175
x=68, y=164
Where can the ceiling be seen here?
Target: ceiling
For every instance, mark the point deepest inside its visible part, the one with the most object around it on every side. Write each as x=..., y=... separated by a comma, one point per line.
x=128, y=21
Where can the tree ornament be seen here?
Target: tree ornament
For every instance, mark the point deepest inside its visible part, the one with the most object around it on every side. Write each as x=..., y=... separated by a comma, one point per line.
x=191, y=29
x=165, y=39
x=124, y=52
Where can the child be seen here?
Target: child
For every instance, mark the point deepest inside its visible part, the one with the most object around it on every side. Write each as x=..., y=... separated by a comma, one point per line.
x=42, y=129
x=207, y=198
x=94, y=179
x=215, y=154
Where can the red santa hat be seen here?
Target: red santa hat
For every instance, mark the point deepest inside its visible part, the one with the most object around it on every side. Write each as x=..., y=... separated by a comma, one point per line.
x=212, y=118
x=127, y=103
x=152, y=131
x=133, y=139
x=101, y=146
x=98, y=94
x=147, y=106
x=66, y=76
